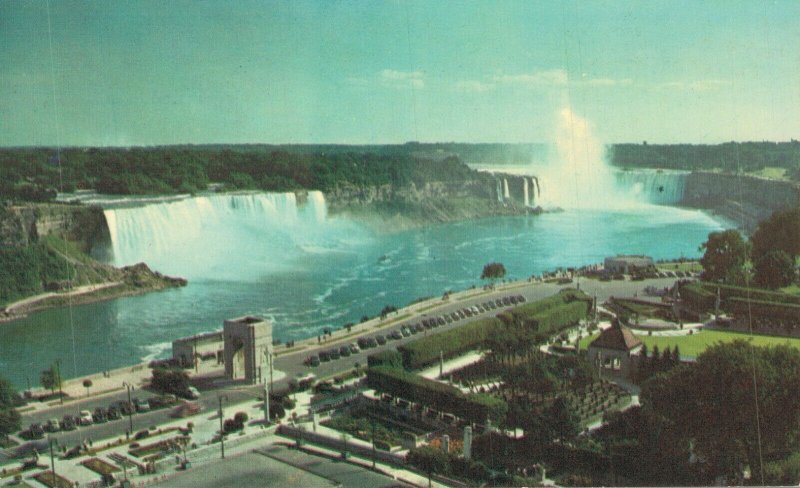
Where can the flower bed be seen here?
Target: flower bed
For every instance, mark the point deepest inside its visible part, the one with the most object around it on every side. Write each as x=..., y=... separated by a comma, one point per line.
x=99, y=466
x=48, y=478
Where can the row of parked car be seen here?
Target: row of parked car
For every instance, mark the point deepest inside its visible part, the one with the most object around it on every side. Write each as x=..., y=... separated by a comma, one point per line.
x=409, y=330
x=114, y=411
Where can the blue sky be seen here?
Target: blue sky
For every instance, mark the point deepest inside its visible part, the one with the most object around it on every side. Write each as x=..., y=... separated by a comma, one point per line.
x=155, y=72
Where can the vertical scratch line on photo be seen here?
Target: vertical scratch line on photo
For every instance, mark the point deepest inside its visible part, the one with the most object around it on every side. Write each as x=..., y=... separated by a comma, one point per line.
x=740, y=193
x=56, y=123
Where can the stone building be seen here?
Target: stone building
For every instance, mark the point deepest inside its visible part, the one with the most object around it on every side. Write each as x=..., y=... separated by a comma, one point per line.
x=615, y=351
x=248, y=341
x=627, y=263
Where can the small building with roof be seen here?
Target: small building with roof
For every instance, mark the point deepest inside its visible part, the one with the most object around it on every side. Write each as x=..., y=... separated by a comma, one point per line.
x=627, y=263
x=615, y=351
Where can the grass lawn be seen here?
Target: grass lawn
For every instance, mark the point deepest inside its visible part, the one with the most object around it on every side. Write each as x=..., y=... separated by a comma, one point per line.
x=793, y=289
x=692, y=345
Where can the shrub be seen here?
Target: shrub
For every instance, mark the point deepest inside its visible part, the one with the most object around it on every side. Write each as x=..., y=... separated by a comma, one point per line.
x=449, y=344
x=389, y=357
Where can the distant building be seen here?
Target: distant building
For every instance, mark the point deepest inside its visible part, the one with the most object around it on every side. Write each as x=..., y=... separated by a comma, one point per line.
x=627, y=263
x=612, y=353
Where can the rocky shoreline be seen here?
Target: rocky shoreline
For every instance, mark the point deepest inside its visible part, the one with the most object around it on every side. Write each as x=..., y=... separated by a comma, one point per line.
x=135, y=280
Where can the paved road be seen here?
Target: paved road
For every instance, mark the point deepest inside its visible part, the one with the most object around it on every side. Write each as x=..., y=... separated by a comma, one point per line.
x=292, y=364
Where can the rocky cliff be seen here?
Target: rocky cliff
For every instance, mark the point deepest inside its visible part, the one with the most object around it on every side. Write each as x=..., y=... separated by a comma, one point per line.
x=83, y=225
x=45, y=260
x=744, y=199
x=391, y=207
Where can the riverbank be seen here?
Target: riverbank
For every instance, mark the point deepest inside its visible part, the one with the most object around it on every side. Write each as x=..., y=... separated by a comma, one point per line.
x=130, y=280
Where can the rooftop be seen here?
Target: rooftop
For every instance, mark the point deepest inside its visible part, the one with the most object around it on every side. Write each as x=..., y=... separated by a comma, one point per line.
x=618, y=338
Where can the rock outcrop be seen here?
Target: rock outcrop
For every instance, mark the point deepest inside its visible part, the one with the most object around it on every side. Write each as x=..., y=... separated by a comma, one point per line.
x=83, y=225
x=745, y=200
x=393, y=208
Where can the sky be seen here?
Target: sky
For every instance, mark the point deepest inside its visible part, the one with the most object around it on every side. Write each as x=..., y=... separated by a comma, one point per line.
x=111, y=73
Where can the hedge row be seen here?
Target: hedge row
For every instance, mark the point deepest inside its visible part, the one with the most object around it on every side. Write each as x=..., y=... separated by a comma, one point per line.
x=730, y=291
x=554, y=320
x=563, y=296
x=773, y=310
x=697, y=297
x=389, y=357
x=426, y=351
x=442, y=397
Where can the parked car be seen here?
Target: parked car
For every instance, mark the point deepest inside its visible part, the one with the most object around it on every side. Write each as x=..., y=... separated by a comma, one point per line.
x=520, y=299
x=86, y=417
x=362, y=342
x=52, y=425
x=141, y=405
x=125, y=407
x=353, y=348
x=112, y=413
x=404, y=330
x=99, y=415
x=513, y=300
x=344, y=351
x=324, y=356
x=36, y=431
x=419, y=328
x=312, y=361
x=141, y=434
x=334, y=354
x=396, y=335
x=372, y=342
x=381, y=339
x=440, y=321
x=67, y=423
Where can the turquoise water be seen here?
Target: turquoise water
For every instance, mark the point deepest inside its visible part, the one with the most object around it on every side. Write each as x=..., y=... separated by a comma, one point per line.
x=346, y=272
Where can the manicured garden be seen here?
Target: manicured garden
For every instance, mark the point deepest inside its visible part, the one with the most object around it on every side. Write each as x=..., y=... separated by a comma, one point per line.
x=692, y=345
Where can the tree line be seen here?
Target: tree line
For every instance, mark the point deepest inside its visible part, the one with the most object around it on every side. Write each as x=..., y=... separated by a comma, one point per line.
x=36, y=173
x=730, y=156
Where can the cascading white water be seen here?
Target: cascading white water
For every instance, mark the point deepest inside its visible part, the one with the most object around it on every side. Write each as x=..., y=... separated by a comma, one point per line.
x=506, y=194
x=525, y=191
x=225, y=236
x=579, y=177
x=499, y=192
x=651, y=186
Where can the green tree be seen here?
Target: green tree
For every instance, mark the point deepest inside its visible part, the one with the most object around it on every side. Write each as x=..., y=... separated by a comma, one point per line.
x=169, y=380
x=725, y=253
x=715, y=405
x=430, y=460
x=493, y=272
x=779, y=232
x=564, y=423
x=10, y=419
x=87, y=383
x=50, y=378
x=775, y=269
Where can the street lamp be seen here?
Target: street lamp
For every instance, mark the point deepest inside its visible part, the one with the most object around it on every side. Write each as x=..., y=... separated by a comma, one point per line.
x=221, y=430
x=50, y=442
x=130, y=406
x=267, y=389
x=58, y=378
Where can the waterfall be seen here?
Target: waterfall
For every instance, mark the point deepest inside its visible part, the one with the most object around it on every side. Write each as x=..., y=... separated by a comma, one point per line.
x=650, y=186
x=506, y=194
x=525, y=191
x=225, y=236
x=499, y=192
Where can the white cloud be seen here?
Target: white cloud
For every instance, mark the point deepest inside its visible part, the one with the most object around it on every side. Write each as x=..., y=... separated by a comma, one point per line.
x=474, y=86
x=695, y=85
x=550, y=77
x=402, y=79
